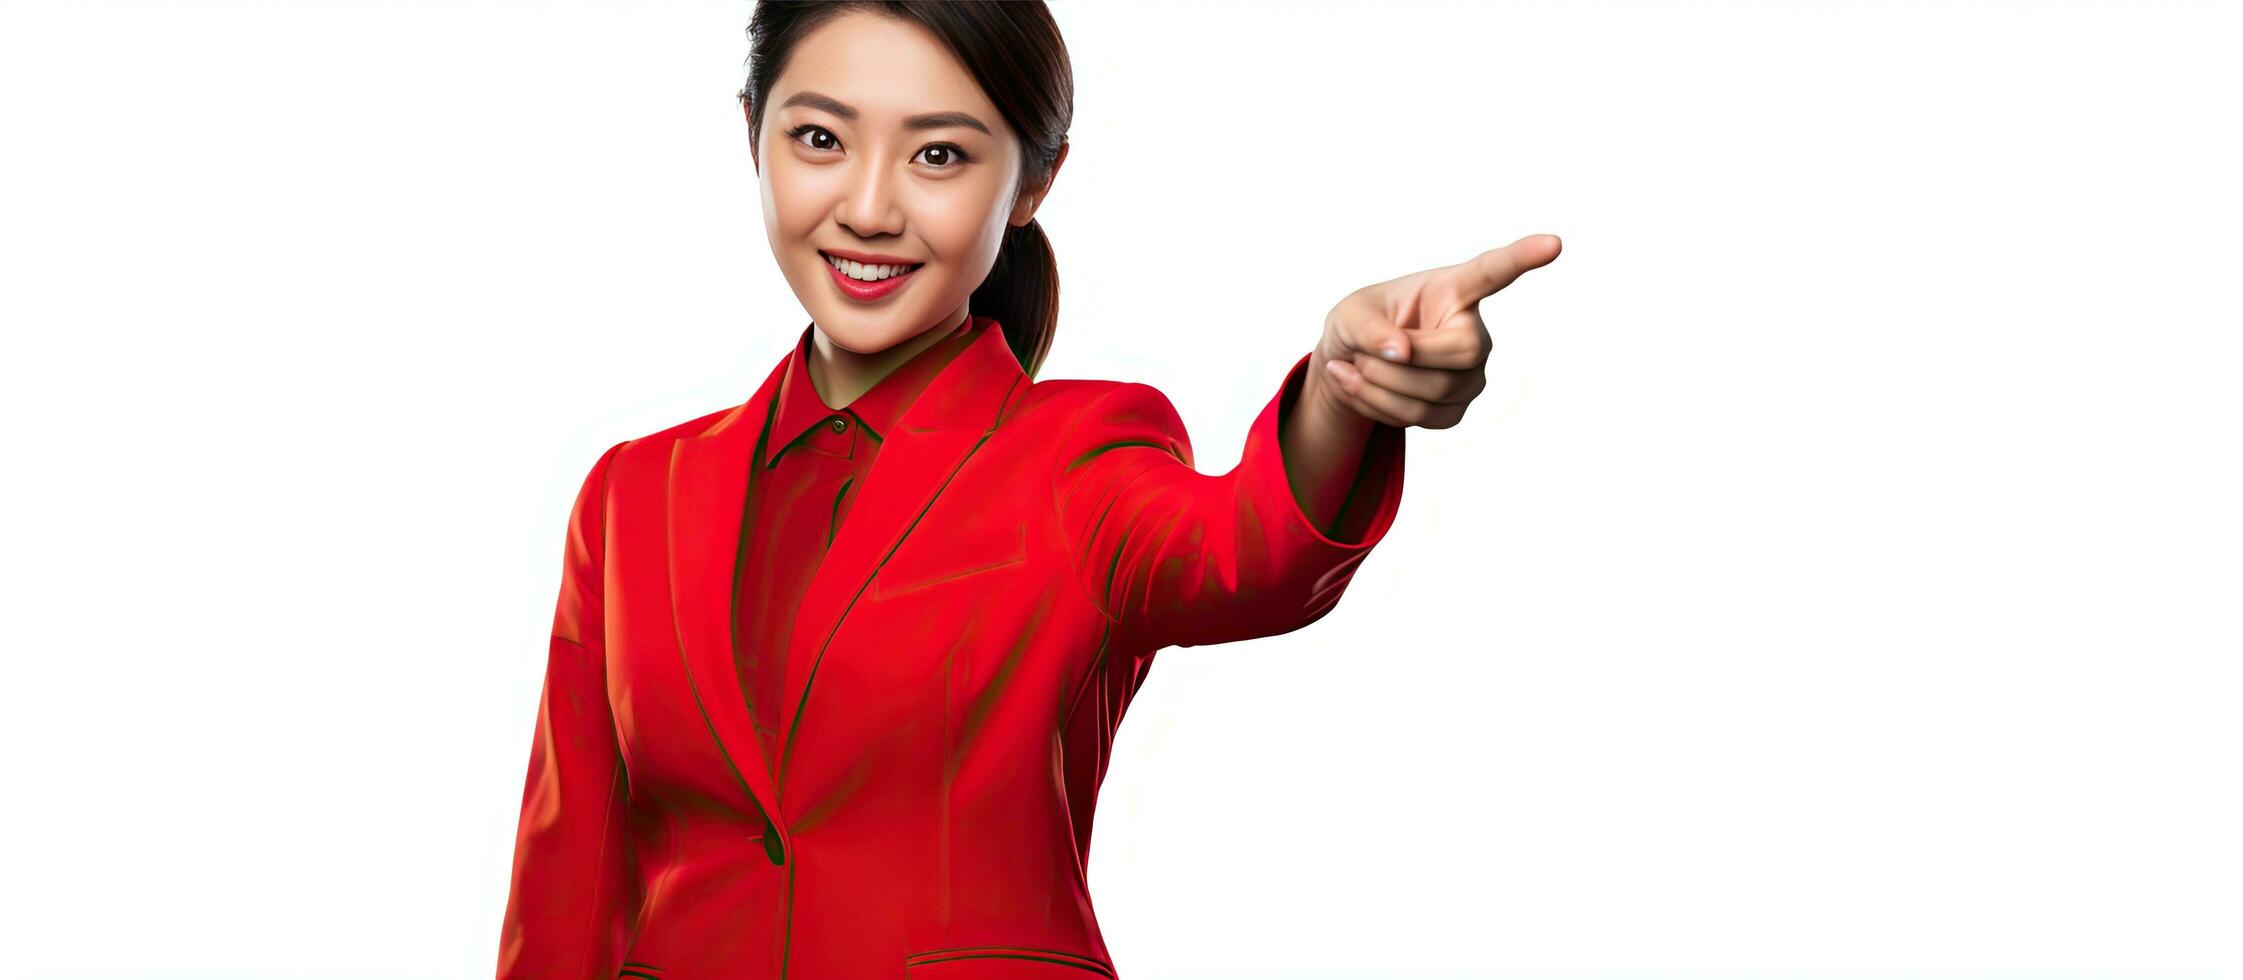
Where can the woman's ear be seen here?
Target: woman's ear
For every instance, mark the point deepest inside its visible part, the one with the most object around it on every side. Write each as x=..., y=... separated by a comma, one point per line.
x=1025, y=208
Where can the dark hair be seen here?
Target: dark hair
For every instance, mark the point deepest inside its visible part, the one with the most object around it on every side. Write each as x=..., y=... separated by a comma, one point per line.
x=1014, y=51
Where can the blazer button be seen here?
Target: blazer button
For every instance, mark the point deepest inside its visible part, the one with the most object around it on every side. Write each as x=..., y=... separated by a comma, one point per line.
x=772, y=849
x=840, y=424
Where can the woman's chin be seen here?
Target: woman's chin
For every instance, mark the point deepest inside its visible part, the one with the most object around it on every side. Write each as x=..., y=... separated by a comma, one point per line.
x=858, y=333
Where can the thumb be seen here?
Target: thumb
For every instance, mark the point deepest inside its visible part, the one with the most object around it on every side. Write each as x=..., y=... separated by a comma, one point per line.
x=1354, y=328
x=1389, y=341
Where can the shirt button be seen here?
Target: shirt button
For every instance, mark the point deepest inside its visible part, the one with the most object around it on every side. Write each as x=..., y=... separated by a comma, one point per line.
x=840, y=424
x=773, y=849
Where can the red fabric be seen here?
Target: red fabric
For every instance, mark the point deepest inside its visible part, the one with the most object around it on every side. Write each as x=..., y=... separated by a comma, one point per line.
x=798, y=498
x=953, y=679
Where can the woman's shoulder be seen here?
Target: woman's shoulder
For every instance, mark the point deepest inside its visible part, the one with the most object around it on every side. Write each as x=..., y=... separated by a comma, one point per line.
x=1101, y=411
x=691, y=427
x=660, y=440
x=1069, y=401
x=1062, y=395
x=697, y=425
x=1081, y=393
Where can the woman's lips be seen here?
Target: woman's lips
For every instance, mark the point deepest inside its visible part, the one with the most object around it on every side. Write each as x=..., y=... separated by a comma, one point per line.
x=859, y=289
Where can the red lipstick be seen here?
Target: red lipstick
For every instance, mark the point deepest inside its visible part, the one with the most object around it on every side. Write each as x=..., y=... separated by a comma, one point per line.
x=859, y=289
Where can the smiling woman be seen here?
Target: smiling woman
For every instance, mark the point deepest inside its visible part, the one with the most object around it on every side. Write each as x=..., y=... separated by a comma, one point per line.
x=835, y=672
x=897, y=191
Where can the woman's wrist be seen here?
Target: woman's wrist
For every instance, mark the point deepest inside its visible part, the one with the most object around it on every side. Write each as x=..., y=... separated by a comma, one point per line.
x=1323, y=443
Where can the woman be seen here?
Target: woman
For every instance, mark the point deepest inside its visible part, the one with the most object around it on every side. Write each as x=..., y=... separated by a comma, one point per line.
x=834, y=671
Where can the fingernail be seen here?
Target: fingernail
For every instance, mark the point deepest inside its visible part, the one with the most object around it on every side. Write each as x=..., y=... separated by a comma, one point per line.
x=1391, y=354
x=1333, y=368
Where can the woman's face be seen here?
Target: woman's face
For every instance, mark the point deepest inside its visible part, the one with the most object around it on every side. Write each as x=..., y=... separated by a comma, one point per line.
x=877, y=142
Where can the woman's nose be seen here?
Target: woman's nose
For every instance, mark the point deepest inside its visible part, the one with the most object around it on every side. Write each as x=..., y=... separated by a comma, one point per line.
x=869, y=208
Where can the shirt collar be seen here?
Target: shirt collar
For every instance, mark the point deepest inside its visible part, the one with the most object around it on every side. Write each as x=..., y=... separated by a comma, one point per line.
x=800, y=408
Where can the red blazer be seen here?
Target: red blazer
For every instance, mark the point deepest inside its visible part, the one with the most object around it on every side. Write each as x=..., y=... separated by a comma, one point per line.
x=1019, y=552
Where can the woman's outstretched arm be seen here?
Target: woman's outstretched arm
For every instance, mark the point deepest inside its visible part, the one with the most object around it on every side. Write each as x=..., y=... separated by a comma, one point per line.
x=1177, y=557
x=1180, y=558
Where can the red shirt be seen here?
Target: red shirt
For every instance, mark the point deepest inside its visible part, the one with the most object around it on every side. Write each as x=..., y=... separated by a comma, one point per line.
x=814, y=458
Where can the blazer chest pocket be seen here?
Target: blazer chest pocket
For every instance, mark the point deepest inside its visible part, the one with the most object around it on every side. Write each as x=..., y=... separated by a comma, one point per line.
x=923, y=563
x=1003, y=963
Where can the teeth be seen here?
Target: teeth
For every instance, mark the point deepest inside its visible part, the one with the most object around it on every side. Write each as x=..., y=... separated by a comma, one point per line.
x=867, y=273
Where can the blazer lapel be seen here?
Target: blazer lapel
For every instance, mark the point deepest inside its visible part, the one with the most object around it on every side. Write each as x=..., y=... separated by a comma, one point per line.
x=707, y=500
x=951, y=418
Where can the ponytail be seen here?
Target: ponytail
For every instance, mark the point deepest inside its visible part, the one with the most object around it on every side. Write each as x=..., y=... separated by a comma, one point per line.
x=1022, y=294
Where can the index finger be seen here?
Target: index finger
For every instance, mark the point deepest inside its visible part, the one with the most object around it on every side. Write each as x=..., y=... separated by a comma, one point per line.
x=1482, y=275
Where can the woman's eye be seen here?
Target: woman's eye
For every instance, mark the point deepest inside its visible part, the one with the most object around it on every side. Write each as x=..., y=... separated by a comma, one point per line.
x=817, y=131
x=944, y=156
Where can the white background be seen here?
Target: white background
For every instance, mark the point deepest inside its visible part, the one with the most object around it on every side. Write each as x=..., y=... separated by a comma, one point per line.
x=1840, y=576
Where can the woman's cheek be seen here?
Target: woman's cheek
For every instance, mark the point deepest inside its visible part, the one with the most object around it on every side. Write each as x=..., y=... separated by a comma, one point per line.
x=967, y=239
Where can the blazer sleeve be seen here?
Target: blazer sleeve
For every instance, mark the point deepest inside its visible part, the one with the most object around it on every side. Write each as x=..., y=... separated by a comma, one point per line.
x=571, y=901
x=1180, y=558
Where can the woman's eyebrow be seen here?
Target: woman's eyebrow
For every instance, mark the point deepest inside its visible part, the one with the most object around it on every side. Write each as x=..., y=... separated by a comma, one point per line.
x=929, y=120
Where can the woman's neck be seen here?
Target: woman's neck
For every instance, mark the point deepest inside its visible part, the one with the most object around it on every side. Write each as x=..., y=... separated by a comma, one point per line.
x=841, y=375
